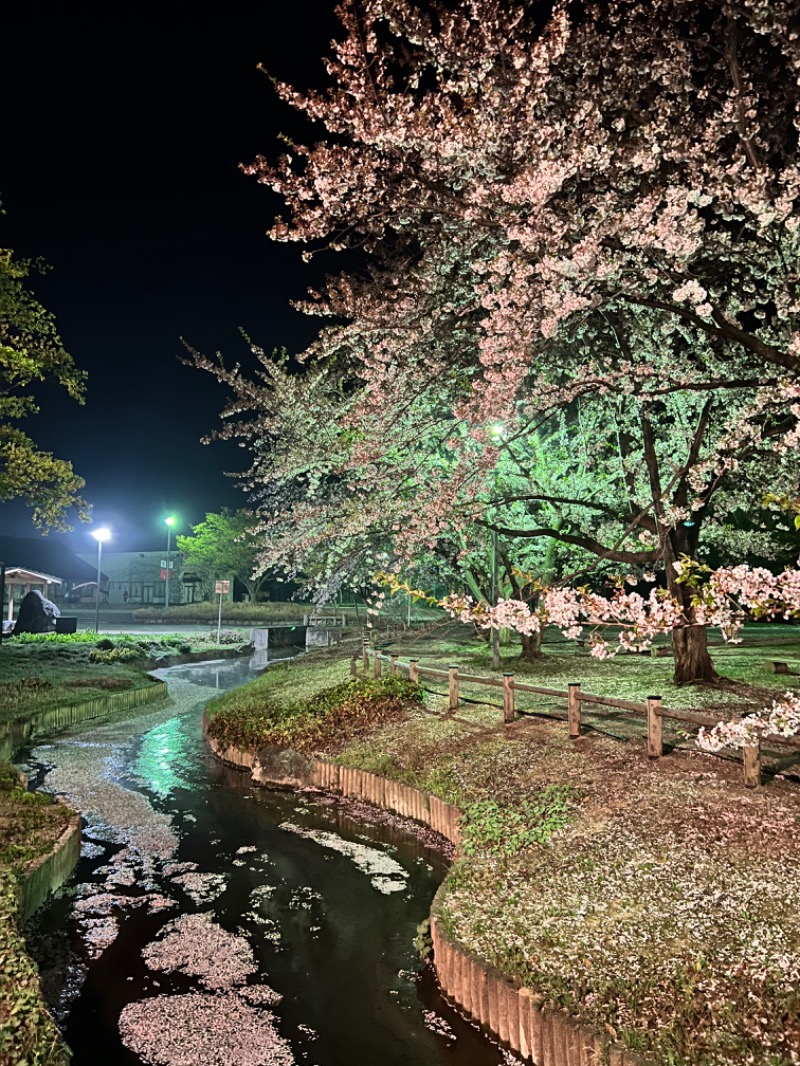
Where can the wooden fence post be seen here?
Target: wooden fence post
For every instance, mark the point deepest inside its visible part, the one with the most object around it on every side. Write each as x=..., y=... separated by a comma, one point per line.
x=354, y=666
x=574, y=710
x=508, y=697
x=376, y=670
x=393, y=667
x=655, y=743
x=365, y=656
x=752, y=763
x=413, y=666
x=452, y=674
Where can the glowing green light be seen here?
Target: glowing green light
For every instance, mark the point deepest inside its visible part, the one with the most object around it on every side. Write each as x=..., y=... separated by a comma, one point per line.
x=163, y=762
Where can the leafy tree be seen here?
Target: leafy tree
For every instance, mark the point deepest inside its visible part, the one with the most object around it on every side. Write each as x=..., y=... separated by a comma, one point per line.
x=31, y=352
x=221, y=545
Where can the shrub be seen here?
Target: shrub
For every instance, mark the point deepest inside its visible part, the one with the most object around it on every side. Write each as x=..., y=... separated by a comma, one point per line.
x=116, y=655
x=325, y=719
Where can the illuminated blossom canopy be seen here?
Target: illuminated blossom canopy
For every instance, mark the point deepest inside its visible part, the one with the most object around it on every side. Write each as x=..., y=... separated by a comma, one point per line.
x=557, y=209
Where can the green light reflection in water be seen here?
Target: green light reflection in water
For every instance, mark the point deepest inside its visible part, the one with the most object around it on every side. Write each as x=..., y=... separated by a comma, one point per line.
x=163, y=762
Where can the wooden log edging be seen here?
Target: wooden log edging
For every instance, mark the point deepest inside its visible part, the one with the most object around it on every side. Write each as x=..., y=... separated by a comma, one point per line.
x=13, y=735
x=47, y=873
x=538, y=1031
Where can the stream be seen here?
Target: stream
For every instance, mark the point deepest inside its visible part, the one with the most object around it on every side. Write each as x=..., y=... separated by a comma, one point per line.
x=210, y=922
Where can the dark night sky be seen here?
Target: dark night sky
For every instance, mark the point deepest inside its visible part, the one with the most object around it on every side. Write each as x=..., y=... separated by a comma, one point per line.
x=121, y=139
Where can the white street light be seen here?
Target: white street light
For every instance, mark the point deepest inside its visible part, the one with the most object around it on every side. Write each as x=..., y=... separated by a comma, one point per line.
x=170, y=522
x=100, y=535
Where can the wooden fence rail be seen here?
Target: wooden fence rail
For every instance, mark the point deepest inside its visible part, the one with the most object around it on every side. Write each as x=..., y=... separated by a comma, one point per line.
x=651, y=708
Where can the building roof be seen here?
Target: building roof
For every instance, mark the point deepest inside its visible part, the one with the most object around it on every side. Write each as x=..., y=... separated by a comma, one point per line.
x=46, y=557
x=17, y=575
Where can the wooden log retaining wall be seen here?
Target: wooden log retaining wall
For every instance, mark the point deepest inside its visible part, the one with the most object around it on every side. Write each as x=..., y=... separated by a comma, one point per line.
x=49, y=872
x=535, y=1030
x=13, y=735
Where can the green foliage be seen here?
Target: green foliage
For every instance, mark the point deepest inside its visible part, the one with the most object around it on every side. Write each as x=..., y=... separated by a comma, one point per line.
x=226, y=636
x=29, y=824
x=309, y=723
x=86, y=636
x=115, y=655
x=28, y=1034
x=423, y=941
x=31, y=352
x=493, y=829
x=9, y=777
x=221, y=545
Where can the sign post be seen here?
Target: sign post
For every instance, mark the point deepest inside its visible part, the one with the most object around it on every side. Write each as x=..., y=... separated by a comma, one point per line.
x=222, y=589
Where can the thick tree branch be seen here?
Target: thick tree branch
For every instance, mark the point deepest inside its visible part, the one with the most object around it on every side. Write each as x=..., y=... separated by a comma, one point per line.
x=681, y=492
x=616, y=555
x=723, y=329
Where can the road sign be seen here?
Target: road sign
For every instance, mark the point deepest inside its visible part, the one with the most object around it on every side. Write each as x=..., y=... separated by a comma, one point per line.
x=223, y=588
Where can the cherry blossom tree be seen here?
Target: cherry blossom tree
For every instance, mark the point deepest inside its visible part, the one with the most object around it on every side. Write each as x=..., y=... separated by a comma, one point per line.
x=594, y=210
x=332, y=514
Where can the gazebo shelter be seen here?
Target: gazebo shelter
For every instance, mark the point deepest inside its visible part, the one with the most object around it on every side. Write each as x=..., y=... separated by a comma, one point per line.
x=19, y=578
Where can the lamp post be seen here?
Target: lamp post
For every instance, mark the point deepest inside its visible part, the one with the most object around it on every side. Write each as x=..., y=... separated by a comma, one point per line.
x=170, y=522
x=497, y=432
x=100, y=535
x=495, y=595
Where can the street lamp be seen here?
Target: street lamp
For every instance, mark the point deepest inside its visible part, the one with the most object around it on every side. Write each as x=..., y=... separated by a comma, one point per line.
x=100, y=535
x=170, y=522
x=498, y=434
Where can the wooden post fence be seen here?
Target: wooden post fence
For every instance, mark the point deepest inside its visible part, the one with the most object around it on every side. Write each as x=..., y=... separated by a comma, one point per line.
x=508, y=698
x=653, y=708
x=655, y=743
x=452, y=675
x=752, y=764
x=574, y=710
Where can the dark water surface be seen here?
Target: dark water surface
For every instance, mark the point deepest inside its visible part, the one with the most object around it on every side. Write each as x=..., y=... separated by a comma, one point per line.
x=211, y=922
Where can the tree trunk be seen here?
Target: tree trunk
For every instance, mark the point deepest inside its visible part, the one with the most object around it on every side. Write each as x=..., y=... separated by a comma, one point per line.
x=531, y=647
x=692, y=661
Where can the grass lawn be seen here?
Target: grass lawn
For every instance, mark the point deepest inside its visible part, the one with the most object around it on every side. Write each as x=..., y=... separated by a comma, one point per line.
x=263, y=613
x=659, y=900
x=43, y=672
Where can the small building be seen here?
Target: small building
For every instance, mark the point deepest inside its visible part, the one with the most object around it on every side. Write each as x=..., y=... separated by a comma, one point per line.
x=52, y=569
x=139, y=579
